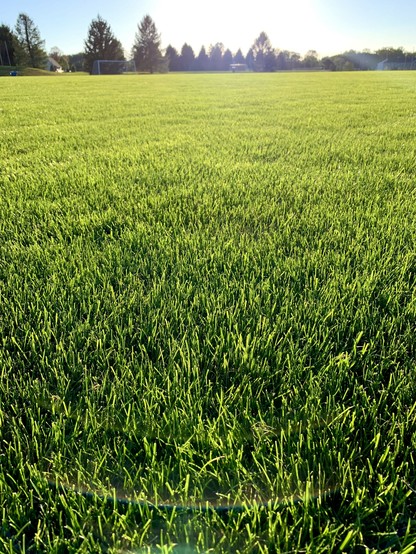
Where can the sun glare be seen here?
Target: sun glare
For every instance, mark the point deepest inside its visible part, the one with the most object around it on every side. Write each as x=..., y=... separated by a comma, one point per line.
x=289, y=24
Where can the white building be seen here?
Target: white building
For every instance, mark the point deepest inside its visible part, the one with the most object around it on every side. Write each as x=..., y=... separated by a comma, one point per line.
x=53, y=65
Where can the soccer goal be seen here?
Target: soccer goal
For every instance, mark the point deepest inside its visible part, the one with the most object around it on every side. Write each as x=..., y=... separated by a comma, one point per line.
x=113, y=67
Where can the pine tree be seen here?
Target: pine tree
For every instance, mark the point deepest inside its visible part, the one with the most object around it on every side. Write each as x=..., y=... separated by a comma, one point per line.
x=239, y=58
x=101, y=44
x=215, y=56
x=187, y=58
x=146, y=48
x=172, y=58
x=264, y=56
x=250, y=59
x=31, y=45
x=7, y=46
x=227, y=60
x=202, y=60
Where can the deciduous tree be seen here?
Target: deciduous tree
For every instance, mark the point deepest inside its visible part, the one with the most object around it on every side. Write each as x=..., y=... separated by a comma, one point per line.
x=310, y=60
x=292, y=60
x=328, y=64
x=281, y=60
x=57, y=54
x=76, y=62
x=392, y=54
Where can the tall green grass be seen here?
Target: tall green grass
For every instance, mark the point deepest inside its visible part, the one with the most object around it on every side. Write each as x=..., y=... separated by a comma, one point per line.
x=207, y=288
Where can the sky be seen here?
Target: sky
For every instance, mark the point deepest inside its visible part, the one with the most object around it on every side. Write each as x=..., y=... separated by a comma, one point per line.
x=327, y=26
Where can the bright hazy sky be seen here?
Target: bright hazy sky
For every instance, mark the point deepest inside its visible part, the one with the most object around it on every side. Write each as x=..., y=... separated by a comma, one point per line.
x=328, y=26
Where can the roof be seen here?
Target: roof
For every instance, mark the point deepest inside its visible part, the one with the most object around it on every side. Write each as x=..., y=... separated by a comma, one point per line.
x=53, y=62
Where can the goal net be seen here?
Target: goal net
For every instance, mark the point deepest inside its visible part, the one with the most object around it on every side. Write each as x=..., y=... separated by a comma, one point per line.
x=113, y=67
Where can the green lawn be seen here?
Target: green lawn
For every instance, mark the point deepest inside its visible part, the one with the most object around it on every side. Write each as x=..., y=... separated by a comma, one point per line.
x=207, y=300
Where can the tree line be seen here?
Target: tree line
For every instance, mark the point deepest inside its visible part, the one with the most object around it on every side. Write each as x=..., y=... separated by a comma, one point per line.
x=23, y=46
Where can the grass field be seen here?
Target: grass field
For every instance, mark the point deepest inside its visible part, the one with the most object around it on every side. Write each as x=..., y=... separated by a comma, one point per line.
x=208, y=307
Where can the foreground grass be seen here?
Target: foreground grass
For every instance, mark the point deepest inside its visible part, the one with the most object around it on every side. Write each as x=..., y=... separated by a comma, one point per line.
x=208, y=300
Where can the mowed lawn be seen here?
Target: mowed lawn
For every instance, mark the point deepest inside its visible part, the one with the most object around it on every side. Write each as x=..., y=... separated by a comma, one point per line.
x=208, y=312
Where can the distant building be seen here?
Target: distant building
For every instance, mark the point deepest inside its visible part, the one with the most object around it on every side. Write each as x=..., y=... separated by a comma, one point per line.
x=238, y=67
x=53, y=65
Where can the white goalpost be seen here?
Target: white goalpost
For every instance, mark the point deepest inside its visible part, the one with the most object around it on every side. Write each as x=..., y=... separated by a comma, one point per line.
x=113, y=67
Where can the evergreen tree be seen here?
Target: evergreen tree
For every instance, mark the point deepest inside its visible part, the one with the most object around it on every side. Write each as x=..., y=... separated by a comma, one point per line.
x=264, y=56
x=215, y=56
x=250, y=59
x=7, y=46
x=32, y=51
x=239, y=58
x=172, y=58
x=202, y=60
x=187, y=57
x=227, y=60
x=101, y=44
x=270, y=61
x=146, y=49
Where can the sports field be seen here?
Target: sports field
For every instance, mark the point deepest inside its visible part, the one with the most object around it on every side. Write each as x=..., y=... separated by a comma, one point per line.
x=208, y=313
